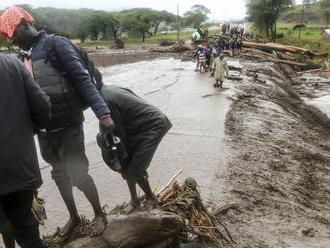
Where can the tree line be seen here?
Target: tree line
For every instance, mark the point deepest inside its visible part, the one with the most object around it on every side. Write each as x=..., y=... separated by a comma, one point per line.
x=265, y=13
x=106, y=25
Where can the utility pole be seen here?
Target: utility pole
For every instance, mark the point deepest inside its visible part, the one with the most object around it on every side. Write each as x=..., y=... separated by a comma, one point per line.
x=305, y=4
x=178, y=24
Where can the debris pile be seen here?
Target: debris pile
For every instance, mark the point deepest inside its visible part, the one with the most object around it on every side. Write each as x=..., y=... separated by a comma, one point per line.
x=185, y=201
x=118, y=44
x=175, y=48
x=178, y=217
x=167, y=43
x=298, y=57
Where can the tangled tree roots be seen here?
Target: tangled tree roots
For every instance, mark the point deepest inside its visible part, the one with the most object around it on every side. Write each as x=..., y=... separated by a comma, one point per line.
x=178, y=217
x=185, y=201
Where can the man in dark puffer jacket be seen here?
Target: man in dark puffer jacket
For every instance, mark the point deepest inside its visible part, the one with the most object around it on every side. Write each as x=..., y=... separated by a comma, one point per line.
x=70, y=91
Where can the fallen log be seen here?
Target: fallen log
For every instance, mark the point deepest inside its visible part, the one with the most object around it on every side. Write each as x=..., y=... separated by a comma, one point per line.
x=140, y=229
x=259, y=52
x=310, y=71
x=293, y=63
x=268, y=47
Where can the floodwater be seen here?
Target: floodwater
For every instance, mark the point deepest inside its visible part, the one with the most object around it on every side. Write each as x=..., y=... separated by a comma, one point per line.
x=194, y=144
x=322, y=103
x=318, y=89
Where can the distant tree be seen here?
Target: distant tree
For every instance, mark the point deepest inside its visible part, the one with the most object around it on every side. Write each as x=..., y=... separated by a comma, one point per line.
x=325, y=8
x=159, y=17
x=196, y=16
x=264, y=14
x=138, y=22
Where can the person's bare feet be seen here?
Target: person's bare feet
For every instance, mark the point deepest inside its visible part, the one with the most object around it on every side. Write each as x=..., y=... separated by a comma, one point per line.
x=100, y=225
x=69, y=226
x=132, y=206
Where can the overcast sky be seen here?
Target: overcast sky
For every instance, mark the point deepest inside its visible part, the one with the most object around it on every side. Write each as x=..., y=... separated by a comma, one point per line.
x=221, y=9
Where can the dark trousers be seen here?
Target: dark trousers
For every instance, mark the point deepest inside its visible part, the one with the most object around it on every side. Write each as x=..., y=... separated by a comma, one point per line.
x=17, y=209
x=65, y=151
x=6, y=231
x=146, y=144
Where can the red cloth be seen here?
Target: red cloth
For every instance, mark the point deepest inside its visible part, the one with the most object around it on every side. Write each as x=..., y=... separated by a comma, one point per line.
x=11, y=18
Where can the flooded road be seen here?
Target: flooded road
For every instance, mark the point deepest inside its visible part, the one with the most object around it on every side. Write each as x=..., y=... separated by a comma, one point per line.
x=194, y=144
x=315, y=90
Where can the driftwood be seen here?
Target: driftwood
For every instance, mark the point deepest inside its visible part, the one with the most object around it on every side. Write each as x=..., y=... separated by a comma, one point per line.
x=269, y=47
x=140, y=229
x=310, y=71
x=293, y=63
x=172, y=49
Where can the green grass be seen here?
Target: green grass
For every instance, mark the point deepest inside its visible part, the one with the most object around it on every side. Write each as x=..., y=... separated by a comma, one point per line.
x=311, y=36
x=155, y=39
x=150, y=40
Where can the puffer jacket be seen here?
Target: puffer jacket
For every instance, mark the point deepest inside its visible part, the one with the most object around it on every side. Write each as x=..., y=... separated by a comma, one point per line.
x=65, y=110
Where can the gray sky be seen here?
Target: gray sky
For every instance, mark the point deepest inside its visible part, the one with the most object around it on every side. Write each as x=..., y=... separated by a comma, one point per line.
x=221, y=9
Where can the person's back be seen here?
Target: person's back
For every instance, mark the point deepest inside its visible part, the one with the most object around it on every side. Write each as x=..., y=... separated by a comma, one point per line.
x=201, y=55
x=21, y=103
x=16, y=137
x=133, y=112
x=141, y=128
x=60, y=71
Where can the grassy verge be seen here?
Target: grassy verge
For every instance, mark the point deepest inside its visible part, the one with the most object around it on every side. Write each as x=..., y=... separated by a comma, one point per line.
x=151, y=40
x=311, y=37
x=155, y=39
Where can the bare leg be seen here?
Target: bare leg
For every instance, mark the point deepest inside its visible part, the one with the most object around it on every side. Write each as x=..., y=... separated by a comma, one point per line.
x=65, y=189
x=143, y=182
x=135, y=202
x=216, y=84
x=90, y=191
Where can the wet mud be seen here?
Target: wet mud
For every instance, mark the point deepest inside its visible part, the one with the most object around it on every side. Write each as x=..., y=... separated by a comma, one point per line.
x=278, y=163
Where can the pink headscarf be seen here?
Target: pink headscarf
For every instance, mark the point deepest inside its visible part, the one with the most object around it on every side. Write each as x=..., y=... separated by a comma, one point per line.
x=11, y=18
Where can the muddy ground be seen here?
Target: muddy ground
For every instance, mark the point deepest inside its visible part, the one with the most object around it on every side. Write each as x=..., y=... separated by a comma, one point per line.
x=278, y=164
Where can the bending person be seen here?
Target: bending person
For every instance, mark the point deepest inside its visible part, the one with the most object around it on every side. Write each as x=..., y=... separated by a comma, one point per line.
x=141, y=127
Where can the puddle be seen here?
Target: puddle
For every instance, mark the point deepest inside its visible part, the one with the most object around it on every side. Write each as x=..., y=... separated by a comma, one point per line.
x=322, y=103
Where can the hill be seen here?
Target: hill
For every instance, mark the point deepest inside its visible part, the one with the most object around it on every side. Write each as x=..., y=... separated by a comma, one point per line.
x=312, y=15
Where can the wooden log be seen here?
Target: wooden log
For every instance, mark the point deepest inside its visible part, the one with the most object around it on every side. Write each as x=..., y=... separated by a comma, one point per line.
x=268, y=46
x=276, y=60
x=139, y=229
x=310, y=71
x=283, y=48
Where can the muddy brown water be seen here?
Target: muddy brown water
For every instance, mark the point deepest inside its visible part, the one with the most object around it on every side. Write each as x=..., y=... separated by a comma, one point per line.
x=194, y=144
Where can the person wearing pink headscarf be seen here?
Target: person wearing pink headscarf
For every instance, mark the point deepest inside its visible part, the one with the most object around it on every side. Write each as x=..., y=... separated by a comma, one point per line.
x=11, y=18
x=71, y=90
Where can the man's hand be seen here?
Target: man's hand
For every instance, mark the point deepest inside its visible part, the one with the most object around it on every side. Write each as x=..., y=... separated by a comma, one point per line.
x=107, y=125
